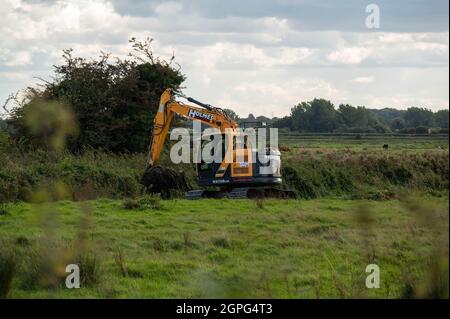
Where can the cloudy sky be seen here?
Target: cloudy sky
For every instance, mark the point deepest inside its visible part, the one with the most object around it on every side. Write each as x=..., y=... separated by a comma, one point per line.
x=249, y=55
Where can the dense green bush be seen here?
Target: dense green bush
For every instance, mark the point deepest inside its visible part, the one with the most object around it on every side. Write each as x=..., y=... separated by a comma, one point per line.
x=7, y=270
x=4, y=141
x=421, y=130
x=360, y=175
x=112, y=102
x=303, y=186
x=40, y=175
x=408, y=130
x=88, y=175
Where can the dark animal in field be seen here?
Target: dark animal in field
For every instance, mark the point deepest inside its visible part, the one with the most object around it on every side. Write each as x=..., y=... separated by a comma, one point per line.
x=157, y=179
x=385, y=146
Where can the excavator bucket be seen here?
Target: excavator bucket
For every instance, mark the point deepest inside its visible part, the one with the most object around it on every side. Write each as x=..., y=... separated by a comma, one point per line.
x=158, y=179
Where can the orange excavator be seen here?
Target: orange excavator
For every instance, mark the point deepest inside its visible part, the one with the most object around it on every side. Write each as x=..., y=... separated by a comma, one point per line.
x=240, y=177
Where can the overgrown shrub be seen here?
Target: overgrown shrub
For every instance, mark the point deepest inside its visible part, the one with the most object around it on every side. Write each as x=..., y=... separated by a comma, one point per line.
x=131, y=203
x=3, y=209
x=7, y=271
x=89, y=268
x=259, y=202
x=4, y=141
x=113, y=100
x=409, y=130
x=303, y=187
x=421, y=130
x=222, y=241
x=39, y=271
x=92, y=174
x=150, y=201
x=359, y=175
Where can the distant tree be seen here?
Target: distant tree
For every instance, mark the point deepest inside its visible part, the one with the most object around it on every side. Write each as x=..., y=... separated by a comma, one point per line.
x=317, y=115
x=231, y=114
x=416, y=116
x=408, y=130
x=284, y=122
x=378, y=124
x=264, y=119
x=300, y=117
x=441, y=118
x=380, y=128
x=354, y=117
x=398, y=124
x=324, y=117
x=388, y=114
x=422, y=130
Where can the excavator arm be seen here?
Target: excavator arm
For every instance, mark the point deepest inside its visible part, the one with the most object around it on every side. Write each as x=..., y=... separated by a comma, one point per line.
x=168, y=107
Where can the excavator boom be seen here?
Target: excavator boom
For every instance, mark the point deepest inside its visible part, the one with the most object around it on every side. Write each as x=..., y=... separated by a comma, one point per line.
x=168, y=106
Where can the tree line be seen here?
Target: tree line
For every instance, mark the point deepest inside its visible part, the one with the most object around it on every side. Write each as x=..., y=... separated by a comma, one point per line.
x=321, y=116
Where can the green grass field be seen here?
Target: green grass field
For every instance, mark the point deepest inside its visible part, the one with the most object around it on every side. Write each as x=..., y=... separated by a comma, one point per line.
x=396, y=142
x=367, y=205
x=223, y=248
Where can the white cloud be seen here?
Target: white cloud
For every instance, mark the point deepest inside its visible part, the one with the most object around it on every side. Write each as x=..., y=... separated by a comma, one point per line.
x=14, y=76
x=18, y=58
x=169, y=9
x=351, y=55
x=266, y=60
x=364, y=79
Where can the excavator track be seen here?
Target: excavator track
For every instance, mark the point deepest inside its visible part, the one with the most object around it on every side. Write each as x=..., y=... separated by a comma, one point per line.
x=242, y=193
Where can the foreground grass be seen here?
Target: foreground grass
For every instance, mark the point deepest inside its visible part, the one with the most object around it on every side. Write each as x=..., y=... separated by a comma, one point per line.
x=224, y=248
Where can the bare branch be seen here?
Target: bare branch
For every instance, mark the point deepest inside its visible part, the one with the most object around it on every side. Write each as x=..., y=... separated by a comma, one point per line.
x=11, y=97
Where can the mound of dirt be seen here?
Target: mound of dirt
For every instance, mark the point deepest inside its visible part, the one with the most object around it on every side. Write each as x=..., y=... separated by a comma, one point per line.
x=158, y=179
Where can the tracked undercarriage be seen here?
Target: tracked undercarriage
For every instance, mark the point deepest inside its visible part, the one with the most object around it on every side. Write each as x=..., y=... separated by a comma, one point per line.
x=241, y=193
